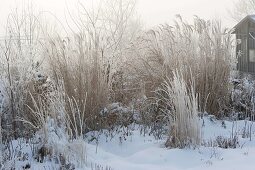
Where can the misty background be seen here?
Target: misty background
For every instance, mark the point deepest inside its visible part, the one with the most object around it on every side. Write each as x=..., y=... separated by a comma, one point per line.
x=150, y=12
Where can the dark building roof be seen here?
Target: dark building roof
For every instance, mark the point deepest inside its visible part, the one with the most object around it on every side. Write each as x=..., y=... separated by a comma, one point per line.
x=247, y=18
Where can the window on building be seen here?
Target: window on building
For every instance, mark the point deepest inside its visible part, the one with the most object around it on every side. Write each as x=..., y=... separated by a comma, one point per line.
x=252, y=55
x=238, y=41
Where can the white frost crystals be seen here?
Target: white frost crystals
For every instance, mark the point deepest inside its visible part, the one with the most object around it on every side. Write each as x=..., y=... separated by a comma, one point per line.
x=2, y=103
x=184, y=128
x=1, y=108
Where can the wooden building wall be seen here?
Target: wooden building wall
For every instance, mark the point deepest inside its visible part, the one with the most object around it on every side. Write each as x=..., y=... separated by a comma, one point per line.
x=247, y=43
x=241, y=33
x=251, y=45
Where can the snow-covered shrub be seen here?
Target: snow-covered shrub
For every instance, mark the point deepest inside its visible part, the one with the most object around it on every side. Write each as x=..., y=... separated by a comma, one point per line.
x=223, y=142
x=100, y=167
x=55, y=150
x=19, y=60
x=181, y=111
x=58, y=147
x=58, y=137
x=150, y=114
x=226, y=143
x=16, y=154
x=243, y=99
x=1, y=112
x=116, y=114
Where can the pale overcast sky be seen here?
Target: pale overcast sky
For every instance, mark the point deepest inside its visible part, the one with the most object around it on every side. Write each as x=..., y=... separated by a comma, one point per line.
x=152, y=12
x=160, y=11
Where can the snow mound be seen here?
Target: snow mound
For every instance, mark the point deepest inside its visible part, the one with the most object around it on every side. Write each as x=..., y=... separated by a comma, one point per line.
x=137, y=151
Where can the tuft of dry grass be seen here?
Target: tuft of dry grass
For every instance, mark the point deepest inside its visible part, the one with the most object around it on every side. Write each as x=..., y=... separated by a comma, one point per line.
x=181, y=111
x=84, y=74
x=202, y=48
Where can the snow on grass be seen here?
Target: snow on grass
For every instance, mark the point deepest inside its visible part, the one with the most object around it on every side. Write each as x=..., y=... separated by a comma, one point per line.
x=128, y=148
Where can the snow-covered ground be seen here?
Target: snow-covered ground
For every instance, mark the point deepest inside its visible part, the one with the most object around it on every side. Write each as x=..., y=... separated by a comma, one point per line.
x=131, y=149
x=139, y=152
